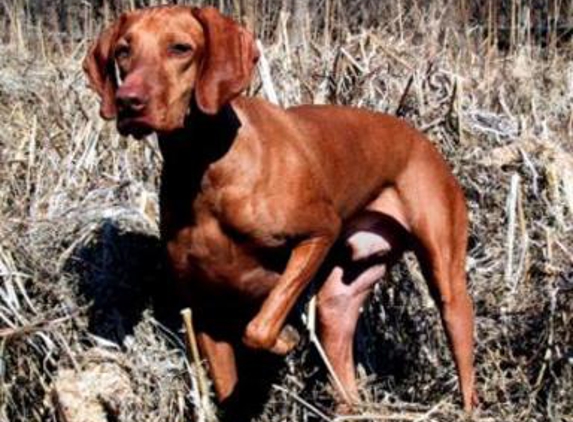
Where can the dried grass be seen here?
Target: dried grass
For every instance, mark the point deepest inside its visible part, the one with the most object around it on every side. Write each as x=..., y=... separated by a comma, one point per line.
x=78, y=210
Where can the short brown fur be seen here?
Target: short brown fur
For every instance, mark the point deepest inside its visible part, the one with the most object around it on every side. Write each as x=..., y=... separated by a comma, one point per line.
x=253, y=196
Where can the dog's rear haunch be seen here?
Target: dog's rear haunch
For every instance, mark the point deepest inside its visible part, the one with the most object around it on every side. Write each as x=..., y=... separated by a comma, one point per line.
x=255, y=199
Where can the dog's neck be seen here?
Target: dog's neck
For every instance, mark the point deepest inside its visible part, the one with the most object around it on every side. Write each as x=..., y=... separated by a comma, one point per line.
x=203, y=140
x=187, y=154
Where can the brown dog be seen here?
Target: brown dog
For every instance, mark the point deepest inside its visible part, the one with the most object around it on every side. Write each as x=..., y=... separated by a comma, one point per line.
x=253, y=197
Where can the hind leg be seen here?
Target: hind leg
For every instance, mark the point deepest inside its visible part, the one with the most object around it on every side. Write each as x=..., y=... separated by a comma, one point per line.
x=448, y=286
x=220, y=356
x=370, y=245
x=438, y=221
x=433, y=211
x=338, y=306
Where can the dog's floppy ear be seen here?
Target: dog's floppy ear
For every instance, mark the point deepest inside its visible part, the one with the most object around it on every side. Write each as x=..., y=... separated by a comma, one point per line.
x=99, y=66
x=228, y=61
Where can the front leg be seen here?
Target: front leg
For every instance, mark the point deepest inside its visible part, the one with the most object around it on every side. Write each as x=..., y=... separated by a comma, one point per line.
x=220, y=356
x=306, y=258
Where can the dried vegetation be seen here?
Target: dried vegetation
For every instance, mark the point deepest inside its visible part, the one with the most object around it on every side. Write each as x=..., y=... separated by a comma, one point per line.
x=490, y=82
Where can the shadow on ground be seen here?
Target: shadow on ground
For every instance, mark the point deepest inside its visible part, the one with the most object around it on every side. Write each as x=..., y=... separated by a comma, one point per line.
x=120, y=274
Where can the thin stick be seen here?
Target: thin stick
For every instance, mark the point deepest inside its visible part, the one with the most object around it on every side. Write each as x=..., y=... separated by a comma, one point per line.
x=459, y=111
x=265, y=73
x=404, y=95
x=326, y=33
x=395, y=57
x=35, y=326
x=397, y=416
x=194, y=352
x=524, y=259
x=303, y=402
x=511, y=211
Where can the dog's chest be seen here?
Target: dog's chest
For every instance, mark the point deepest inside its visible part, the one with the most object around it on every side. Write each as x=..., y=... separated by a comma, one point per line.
x=252, y=209
x=227, y=234
x=218, y=255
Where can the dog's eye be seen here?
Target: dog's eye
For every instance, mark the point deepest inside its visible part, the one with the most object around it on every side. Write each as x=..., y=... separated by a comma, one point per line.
x=122, y=52
x=179, y=49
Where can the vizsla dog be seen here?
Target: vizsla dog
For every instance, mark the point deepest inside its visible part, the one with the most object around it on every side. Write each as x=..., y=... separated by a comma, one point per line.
x=255, y=198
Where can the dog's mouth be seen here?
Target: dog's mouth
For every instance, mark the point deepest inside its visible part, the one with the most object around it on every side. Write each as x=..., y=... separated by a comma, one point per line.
x=137, y=126
x=141, y=124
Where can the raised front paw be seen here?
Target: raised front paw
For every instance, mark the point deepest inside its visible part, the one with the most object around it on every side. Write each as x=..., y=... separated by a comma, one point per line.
x=259, y=335
x=263, y=336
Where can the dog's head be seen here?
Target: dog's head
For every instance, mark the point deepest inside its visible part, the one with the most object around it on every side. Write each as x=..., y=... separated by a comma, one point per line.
x=147, y=66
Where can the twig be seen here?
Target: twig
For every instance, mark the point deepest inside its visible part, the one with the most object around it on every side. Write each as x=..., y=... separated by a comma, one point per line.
x=511, y=211
x=35, y=326
x=395, y=57
x=352, y=60
x=192, y=344
x=565, y=251
x=400, y=416
x=196, y=359
x=304, y=403
x=265, y=73
x=436, y=122
x=404, y=95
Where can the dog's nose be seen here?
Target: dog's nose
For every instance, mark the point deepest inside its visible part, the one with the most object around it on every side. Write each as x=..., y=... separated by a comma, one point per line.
x=131, y=100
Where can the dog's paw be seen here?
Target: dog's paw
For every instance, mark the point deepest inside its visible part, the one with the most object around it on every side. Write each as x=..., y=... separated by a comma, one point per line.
x=259, y=336
x=474, y=402
x=263, y=337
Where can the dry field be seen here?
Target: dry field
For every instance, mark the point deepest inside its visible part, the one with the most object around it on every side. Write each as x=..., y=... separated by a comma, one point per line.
x=491, y=83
